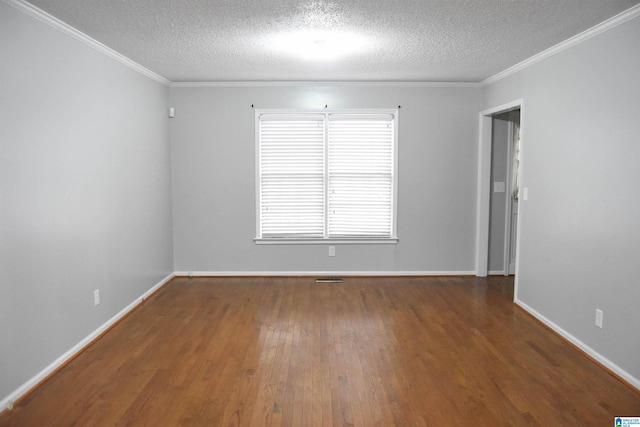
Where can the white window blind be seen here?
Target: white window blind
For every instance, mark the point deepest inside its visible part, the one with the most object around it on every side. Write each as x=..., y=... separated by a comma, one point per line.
x=292, y=175
x=324, y=176
x=360, y=176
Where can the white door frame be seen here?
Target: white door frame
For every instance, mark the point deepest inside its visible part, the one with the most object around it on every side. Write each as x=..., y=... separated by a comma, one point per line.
x=485, y=136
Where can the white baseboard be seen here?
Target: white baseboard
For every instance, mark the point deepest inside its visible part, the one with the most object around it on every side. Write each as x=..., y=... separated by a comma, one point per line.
x=630, y=379
x=8, y=401
x=319, y=273
x=496, y=273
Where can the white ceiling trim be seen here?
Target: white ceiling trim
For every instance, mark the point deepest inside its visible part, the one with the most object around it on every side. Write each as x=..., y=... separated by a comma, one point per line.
x=322, y=83
x=573, y=41
x=57, y=24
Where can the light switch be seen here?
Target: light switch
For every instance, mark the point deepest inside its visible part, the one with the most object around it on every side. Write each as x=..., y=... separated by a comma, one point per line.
x=498, y=187
x=525, y=193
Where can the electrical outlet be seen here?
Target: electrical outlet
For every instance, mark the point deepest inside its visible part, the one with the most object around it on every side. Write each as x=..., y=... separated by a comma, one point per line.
x=332, y=251
x=96, y=297
x=599, y=315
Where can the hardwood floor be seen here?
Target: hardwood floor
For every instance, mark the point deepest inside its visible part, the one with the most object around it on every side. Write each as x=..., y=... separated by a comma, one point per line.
x=290, y=352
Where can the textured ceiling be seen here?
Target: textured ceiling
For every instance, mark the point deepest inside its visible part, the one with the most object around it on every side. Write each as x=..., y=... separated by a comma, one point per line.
x=398, y=40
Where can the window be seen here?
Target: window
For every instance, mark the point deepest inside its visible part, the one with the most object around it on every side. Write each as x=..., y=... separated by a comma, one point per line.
x=326, y=176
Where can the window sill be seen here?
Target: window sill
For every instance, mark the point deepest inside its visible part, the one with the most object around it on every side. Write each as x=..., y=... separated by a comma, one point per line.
x=290, y=241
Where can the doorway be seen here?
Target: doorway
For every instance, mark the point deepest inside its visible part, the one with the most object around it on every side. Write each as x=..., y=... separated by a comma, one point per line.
x=504, y=194
x=485, y=189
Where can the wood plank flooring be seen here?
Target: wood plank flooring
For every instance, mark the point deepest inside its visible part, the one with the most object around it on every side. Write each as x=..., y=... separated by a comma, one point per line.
x=434, y=351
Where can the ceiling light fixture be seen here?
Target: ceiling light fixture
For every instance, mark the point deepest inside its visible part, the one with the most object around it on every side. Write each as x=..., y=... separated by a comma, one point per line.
x=319, y=45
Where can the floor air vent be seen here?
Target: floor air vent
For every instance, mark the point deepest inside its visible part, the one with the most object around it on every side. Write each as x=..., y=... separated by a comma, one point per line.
x=329, y=280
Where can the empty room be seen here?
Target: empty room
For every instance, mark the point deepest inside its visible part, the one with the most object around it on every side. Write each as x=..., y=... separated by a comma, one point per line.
x=319, y=213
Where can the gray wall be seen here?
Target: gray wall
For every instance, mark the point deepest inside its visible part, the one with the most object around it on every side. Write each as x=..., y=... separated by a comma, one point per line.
x=213, y=157
x=580, y=236
x=85, y=193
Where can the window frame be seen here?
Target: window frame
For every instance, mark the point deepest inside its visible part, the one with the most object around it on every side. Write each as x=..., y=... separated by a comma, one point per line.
x=392, y=239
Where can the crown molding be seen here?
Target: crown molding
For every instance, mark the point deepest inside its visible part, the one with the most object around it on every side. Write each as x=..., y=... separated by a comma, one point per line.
x=573, y=41
x=283, y=83
x=57, y=24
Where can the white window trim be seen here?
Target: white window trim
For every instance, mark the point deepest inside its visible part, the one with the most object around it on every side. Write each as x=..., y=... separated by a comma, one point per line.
x=393, y=239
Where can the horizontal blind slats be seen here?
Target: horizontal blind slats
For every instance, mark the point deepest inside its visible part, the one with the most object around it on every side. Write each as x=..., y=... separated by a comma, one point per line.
x=360, y=166
x=360, y=194
x=291, y=175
